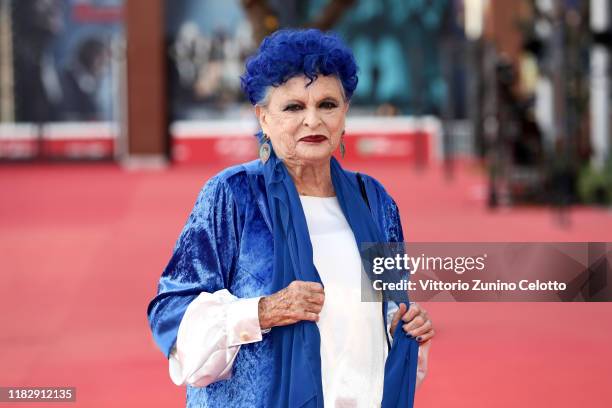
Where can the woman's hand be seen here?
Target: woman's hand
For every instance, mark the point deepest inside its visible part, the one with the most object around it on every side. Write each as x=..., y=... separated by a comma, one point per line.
x=415, y=322
x=298, y=301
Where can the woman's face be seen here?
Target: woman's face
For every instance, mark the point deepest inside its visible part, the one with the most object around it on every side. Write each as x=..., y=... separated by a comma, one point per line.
x=304, y=123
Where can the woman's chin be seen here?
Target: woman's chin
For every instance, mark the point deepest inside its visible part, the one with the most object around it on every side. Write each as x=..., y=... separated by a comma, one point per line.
x=314, y=152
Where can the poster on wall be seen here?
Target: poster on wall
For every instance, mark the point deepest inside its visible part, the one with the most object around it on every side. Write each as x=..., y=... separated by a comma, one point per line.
x=66, y=58
x=62, y=53
x=208, y=42
x=400, y=73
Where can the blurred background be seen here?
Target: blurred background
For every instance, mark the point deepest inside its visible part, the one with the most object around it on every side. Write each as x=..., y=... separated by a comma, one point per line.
x=486, y=120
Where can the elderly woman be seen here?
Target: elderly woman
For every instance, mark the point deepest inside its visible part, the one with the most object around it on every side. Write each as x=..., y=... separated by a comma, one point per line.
x=260, y=304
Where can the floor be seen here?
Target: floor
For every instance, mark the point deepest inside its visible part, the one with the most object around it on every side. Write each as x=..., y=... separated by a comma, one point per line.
x=82, y=247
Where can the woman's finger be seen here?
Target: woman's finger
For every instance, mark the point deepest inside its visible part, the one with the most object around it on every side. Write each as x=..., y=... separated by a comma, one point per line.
x=422, y=329
x=413, y=311
x=318, y=298
x=313, y=317
x=414, y=324
x=313, y=307
x=397, y=316
x=422, y=338
x=312, y=286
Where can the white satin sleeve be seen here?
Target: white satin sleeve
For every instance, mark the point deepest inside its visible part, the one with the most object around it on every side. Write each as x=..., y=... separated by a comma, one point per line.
x=422, y=364
x=211, y=332
x=423, y=348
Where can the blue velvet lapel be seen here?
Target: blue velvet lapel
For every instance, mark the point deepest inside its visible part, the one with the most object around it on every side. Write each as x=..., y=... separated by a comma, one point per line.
x=297, y=377
x=296, y=348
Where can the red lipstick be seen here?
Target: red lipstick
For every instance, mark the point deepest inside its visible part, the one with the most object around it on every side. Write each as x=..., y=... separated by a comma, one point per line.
x=313, y=139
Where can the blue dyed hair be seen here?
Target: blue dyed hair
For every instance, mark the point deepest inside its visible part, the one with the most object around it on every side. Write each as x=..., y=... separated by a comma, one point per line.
x=289, y=53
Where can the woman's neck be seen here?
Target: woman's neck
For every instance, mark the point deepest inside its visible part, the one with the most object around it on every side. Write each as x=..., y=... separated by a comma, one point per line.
x=312, y=179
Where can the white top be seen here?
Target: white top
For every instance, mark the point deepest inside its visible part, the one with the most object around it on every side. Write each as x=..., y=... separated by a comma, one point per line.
x=353, y=348
x=353, y=344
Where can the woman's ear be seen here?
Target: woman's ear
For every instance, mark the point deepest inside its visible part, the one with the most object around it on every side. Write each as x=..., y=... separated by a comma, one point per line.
x=260, y=112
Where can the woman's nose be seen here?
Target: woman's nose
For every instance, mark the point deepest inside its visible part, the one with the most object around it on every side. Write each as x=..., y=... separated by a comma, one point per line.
x=311, y=118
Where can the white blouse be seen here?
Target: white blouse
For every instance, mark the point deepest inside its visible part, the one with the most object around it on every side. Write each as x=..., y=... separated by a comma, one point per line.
x=353, y=343
x=215, y=325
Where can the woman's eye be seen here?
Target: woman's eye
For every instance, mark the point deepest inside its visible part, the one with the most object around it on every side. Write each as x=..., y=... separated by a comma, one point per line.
x=292, y=108
x=328, y=105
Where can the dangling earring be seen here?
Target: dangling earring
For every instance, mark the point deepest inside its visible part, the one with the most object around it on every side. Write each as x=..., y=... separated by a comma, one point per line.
x=264, y=149
x=342, y=147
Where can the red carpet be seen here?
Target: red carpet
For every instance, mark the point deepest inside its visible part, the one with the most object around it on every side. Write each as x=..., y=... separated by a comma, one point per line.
x=82, y=247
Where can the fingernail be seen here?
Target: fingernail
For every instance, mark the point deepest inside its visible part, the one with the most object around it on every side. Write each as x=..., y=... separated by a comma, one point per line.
x=419, y=338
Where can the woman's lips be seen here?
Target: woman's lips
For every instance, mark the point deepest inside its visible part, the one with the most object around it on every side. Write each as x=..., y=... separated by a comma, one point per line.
x=313, y=139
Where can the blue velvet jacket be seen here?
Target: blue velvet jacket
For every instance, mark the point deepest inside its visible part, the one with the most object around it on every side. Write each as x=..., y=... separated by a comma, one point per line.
x=227, y=243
